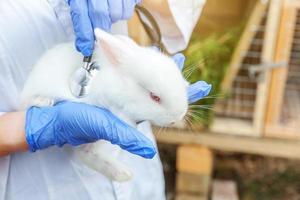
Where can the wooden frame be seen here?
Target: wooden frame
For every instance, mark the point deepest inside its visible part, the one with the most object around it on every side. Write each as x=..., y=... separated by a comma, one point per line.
x=256, y=126
x=273, y=127
x=268, y=52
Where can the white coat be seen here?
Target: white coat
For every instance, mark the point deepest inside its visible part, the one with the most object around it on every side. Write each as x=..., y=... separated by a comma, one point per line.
x=27, y=29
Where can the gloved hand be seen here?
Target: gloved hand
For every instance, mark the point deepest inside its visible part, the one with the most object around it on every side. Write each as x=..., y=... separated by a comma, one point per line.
x=195, y=91
x=79, y=123
x=90, y=14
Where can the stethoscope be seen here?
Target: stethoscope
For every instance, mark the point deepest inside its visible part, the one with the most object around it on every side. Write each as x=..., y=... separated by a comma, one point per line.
x=80, y=81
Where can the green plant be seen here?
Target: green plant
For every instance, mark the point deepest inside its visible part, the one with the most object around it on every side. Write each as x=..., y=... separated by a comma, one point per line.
x=207, y=59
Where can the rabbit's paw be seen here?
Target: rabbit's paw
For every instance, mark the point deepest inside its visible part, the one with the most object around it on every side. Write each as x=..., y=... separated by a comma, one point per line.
x=95, y=157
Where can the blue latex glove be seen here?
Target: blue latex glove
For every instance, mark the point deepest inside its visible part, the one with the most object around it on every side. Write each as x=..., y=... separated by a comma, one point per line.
x=78, y=123
x=90, y=14
x=195, y=91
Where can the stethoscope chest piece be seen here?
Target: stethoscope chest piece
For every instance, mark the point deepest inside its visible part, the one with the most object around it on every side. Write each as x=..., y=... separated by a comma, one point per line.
x=80, y=81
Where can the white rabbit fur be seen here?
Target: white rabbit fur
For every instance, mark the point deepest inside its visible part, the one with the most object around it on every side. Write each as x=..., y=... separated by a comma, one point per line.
x=128, y=74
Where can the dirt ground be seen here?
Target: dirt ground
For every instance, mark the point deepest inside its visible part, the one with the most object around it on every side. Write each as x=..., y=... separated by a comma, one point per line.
x=257, y=177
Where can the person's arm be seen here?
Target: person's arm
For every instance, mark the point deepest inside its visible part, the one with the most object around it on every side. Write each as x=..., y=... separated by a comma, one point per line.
x=12, y=133
x=68, y=123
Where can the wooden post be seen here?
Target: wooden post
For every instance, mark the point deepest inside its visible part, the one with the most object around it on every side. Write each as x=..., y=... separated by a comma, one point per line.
x=268, y=51
x=279, y=75
x=194, y=167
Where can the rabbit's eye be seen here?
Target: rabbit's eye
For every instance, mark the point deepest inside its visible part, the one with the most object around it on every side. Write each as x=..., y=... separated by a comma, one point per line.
x=155, y=97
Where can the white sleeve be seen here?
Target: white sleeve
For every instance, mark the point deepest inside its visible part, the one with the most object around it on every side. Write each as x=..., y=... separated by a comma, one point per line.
x=185, y=15
x=176, y=19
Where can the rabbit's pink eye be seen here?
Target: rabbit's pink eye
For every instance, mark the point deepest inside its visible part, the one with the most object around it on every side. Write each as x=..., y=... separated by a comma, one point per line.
x=155, y=97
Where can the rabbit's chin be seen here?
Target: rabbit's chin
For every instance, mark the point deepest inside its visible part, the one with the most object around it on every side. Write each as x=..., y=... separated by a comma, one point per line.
x=162, y=123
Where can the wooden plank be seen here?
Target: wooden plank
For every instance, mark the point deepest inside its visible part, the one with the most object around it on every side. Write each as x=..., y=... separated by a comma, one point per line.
x=260, y=146
x=244, y=43
x=279, y=75
x=269, y=45
x=194, y=159
x=241, y=127
x=192, y=183
x=283, y=132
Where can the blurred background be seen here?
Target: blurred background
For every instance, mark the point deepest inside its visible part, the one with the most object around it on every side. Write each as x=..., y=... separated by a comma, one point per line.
x=243, y=140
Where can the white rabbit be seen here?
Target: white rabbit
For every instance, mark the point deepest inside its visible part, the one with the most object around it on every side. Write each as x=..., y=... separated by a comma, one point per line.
x=135, y=83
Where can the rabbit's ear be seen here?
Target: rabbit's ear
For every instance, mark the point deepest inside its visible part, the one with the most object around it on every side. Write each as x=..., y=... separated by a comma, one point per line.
x=113, y=48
